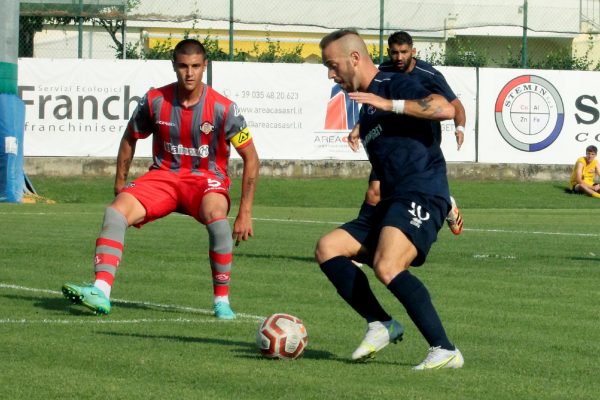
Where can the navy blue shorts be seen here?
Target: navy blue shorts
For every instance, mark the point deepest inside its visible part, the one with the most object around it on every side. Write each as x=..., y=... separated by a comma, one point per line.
x=418, y=216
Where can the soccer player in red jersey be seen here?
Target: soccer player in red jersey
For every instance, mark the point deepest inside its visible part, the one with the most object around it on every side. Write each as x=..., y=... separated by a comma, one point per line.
x=192, y=127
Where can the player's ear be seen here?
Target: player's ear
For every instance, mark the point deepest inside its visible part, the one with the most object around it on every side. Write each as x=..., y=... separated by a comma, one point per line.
x=354, y=58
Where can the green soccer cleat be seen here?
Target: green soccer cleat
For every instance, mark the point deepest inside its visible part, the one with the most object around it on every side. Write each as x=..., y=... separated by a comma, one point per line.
x=223, y=310
x=87, y=295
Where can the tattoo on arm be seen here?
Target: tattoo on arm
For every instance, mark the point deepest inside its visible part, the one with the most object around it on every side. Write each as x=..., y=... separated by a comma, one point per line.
x=424, y=103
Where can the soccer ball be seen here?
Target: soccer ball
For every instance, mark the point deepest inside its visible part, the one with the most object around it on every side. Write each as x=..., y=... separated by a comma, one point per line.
x=282, y=336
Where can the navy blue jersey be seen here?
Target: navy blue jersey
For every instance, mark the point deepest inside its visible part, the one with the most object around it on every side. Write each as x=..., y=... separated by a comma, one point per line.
x=403, y=151
x=431, y=79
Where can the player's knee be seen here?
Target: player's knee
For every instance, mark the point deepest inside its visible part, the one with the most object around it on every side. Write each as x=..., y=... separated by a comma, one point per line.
x=325, y=249
x=213, y=215
x=386, y=269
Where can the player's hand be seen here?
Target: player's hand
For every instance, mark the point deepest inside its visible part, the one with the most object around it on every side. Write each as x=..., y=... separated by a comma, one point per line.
x=460, y=138
x=372, y=99
x=354, y=138
x=242, y=228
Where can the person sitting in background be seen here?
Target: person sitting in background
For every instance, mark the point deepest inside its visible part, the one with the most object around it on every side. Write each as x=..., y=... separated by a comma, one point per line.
x=584, y=172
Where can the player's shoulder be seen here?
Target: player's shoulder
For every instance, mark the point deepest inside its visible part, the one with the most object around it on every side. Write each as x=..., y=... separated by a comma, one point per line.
x=217, y=96
x=387, y=66
x=163, y=91
x=423, y=67
x=383, y=81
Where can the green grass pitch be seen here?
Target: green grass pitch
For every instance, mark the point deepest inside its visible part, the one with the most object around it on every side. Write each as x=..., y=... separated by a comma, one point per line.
x=518, y=292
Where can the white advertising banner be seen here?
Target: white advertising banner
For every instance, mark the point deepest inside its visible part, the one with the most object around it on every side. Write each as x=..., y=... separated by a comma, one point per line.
x=81, y=107
x=295, y=112
x=463, y=82
x=537, y=116
x=288, y=109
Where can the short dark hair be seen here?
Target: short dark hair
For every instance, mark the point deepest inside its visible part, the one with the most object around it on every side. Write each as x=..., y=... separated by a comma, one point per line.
x=591, y=148
x=189, y=46
x=335, y=35
x=400, y=37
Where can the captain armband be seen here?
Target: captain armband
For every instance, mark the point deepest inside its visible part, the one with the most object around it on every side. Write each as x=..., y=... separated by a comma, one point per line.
x=398, y=106
x=241, y=139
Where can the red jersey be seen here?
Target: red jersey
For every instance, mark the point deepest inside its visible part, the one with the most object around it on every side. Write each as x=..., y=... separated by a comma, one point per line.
x=189, y=139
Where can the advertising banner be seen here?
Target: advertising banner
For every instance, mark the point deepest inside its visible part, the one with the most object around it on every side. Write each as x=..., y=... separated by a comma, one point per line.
x=81, y=107
x=537, y=116
x=295, y=112
x=463, y=82
x=286, y=107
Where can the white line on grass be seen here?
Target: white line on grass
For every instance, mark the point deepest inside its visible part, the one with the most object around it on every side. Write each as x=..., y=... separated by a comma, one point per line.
x=533, y=232
x=297, y=221
x=307, y=221
x=142, y=303
x=111, y=321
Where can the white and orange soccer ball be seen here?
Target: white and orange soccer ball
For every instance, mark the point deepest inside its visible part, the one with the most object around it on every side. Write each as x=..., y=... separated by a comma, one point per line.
x=282, y=336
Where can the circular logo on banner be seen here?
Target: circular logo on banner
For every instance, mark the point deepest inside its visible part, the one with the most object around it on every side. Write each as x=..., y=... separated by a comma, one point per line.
x=529, y=113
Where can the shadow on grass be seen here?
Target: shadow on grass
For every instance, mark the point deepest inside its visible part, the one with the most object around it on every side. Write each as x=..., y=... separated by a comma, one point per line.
x=242, y=348
x=49, y=303
x=562, y=188
x=274, y=256
x=62, y=304
x=589, y=258
x=245, y=349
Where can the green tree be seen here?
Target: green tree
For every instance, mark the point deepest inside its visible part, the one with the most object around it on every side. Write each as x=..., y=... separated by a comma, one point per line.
x=275, y=54
x=462, y=53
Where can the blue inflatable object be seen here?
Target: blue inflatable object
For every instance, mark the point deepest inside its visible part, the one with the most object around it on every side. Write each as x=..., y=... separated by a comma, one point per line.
x=12, y=130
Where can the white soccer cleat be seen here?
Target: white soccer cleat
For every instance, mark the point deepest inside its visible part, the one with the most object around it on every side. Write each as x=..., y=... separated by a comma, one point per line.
x=379, y=334
x=439, y=358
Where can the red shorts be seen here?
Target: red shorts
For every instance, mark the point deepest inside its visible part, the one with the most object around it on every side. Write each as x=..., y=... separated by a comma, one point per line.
x=163, y=192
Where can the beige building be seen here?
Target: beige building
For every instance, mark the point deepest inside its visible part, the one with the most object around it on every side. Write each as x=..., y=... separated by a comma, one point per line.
x=481, y=28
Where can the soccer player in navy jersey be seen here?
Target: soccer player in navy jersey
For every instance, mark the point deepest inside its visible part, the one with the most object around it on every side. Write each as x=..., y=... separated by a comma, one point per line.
x=192, y=128
x=401, y=60
x=396, y=130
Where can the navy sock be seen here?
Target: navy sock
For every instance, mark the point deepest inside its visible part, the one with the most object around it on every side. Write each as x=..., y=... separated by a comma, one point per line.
x=352, y=284
x=415, y=298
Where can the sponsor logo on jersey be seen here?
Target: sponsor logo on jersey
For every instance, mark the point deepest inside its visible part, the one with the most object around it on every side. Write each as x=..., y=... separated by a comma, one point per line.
x=529, y=113
x=179, y=149
x=167, y=123
x=207, y=127
x=373, y=134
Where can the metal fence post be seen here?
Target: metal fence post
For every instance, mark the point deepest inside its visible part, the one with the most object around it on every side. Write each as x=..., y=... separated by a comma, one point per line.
x=381, y=18
x=524, y=46
x=80, y=31
x=230, y=30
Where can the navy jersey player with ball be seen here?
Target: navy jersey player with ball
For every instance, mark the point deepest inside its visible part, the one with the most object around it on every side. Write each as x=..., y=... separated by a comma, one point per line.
x=404, y=153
